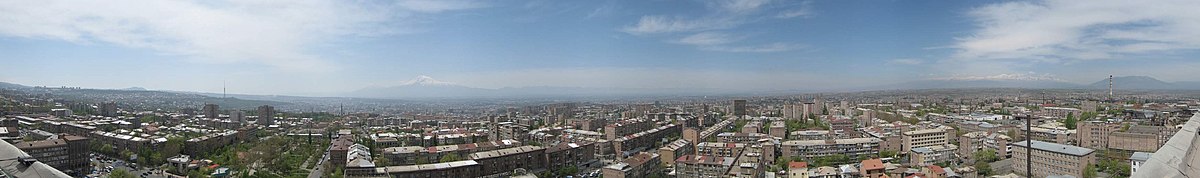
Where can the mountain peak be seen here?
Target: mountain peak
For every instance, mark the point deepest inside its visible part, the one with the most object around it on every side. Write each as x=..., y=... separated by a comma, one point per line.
x=423, y=80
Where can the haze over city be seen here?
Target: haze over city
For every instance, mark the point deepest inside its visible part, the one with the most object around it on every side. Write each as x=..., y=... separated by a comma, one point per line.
x=599, y=89
x=329, y=48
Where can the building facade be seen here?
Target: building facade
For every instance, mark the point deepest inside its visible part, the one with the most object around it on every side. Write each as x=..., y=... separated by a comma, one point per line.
x=1051, y=158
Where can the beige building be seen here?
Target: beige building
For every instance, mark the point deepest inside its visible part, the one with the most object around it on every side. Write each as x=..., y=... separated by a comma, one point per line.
x=506, y=160
x=931, y=155
x=1094, y=134
x=1052, y=158
x=703, y=166
x=872, y=168
x=778, y=129
x=797, y=170
x=1102, y=135
x=677, y=148
x=925, y=138
x=1140, y=138
x=809, y=149
x=639, y=165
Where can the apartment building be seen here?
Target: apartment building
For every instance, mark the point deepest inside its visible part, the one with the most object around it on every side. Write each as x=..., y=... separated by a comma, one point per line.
x=925, y=138
x=505, y=160
x=1140, y=138
x=812, y=135
x=1051, y=158
x=703, y=166
x=778, y=129
x=971, y=142
x=1094, y=134
x=675, y=149
x=741, y=137
x=626, y=127
x=645, y=139
x=638, y=165
x=410, y=155
x=68, y=153
x=719, y=149
x=810, y=149
x=931, y=155
x=570, y=155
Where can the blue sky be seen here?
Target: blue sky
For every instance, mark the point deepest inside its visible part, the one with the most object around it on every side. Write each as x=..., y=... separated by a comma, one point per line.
x=329, y=47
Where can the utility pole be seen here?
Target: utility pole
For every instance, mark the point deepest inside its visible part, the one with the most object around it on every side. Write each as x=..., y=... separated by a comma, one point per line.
x=1028, y=145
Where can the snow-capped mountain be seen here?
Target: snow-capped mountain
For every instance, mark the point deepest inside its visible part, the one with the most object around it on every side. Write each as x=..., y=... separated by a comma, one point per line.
x=419, y=87
x=422, y=80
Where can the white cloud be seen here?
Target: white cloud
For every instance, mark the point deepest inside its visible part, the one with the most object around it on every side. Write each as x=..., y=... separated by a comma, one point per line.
x=272, y=33
x=708, y=38
x=773, y=47
x=805, y=11
x=906, y=61
x=1030, y=76
x=663, y=24
x=739, y=6
x=708, y=31
x=435, y=6
x=1072, y=30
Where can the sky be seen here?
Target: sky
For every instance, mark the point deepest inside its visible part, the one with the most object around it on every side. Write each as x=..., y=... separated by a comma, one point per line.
x=328, y=47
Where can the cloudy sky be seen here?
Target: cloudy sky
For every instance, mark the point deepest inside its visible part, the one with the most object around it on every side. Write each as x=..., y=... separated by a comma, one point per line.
x=326, y=47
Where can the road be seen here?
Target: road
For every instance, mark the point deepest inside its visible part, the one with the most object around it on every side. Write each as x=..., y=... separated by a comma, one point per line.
x=319, y=169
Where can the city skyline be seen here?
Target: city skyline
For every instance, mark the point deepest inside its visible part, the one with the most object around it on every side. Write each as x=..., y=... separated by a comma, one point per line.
x=280, y=48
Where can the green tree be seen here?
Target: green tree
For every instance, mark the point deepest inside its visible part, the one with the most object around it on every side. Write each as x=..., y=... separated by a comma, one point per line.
x=1070, y=121
x=449, y=158
x=983, y=168
x=1087, y=116
x=120, y=173
x=1090, y=171
x=148, y=118
x=986, y=155
x=421, y=160
x=887, y=153
x=831, y=160
x=737, y=125
x=567, y=170
x=381, y=161
x=172, y=147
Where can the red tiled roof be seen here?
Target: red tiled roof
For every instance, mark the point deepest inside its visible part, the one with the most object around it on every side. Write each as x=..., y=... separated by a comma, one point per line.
x=798, y=164
x=937, y=169
x=872, y=164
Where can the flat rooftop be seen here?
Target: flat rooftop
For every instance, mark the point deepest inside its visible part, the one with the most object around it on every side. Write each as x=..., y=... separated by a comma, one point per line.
x=1057, y=148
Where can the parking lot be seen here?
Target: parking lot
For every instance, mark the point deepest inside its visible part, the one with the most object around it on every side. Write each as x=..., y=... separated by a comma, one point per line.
x=103, y=165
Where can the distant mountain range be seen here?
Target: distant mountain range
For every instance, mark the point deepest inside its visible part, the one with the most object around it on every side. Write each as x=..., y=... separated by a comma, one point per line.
x=427, y=87
x=1119, y=83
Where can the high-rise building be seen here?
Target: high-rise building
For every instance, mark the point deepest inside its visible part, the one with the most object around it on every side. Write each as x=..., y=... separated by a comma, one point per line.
x=266, y=115
x=809, y=109
x=108, y=109
x=212, y=111
x=238, y=116
x=845, y=105
x=739, y=107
